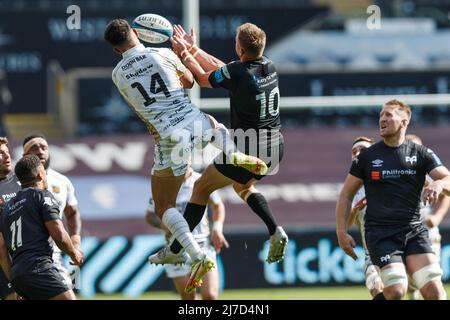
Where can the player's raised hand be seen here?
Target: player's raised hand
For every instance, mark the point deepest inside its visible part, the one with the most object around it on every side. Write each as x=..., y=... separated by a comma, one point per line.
x=77, y=257
x=347, y=243
x=218, y=240
x=190, y=40
x=178, y=44
x=431, y=192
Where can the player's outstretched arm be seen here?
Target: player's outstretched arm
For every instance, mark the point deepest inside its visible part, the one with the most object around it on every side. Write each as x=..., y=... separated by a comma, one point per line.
x=343, y=207
x=61, y=237
x=218, y=215
x=440, y=210
x=440, y=184
x=188, y=60
x=5, y=261
x=206, y=61
x=73, y=219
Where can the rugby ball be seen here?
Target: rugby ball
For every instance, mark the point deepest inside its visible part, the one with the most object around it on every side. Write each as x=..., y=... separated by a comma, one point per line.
x=152, y=28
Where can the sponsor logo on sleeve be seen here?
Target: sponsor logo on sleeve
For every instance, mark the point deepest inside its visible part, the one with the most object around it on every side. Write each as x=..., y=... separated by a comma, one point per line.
x=218, y=76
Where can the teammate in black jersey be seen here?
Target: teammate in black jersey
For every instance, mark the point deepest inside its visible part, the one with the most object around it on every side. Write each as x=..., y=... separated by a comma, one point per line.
x=252, y=82
x=393, y=173
x=9, y=186
x=27, y=222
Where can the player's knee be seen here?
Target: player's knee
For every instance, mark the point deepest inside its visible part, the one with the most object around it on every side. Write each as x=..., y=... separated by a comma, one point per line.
x=243, y=191
x=434, y=290
x=429, y=276
x=202, y=187
x=373, y=281
x=395, y=281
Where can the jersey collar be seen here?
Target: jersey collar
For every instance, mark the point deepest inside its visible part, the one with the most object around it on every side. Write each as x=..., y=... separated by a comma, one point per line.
x=131, y=51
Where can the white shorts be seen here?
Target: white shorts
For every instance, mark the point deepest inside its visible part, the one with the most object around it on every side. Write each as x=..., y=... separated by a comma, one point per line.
x=58, y=262
x=172, y=154
x=181, y=270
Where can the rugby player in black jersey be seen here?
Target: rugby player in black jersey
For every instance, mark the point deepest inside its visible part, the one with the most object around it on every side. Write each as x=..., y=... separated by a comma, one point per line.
x=393, y=174
x=9, y=186
x=252, y=82
x=26, y=223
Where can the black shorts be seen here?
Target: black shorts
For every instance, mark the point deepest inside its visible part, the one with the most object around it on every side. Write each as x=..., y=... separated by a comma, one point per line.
x=41, y=284
x=223, y=164
x=5, y=286
x=388, y=245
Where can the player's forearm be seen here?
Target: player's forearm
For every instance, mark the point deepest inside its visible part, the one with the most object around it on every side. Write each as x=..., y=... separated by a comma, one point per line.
x=445, y=182
x=5, y=262
x=218, y=216
x=73, y=218
x=343, y=207
x=442, y=207
x=60, y=236
x=197, y=71
x=206, y=61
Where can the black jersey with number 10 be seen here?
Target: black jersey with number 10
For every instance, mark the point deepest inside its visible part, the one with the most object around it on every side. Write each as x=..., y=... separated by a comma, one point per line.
x=254, y=93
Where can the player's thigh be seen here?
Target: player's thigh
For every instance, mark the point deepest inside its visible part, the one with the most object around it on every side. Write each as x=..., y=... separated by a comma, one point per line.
x=385, y=246
x=210, y=180
x=180, y=283
x=419, y=251
x=210, y=288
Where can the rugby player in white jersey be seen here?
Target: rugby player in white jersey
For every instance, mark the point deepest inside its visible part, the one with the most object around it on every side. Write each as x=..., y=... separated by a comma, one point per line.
x=373, y=281
x=64, y=192
x=152, y=81
x=432, y=216
x=211, y=243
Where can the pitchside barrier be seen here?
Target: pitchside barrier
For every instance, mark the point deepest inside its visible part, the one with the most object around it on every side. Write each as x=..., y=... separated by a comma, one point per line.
x=313, y=258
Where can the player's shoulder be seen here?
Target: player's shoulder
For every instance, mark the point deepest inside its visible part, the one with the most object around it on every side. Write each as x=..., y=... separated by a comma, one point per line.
x=53, y=174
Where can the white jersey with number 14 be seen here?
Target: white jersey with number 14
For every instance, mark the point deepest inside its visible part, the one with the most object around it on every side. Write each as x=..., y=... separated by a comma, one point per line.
x=149, y=79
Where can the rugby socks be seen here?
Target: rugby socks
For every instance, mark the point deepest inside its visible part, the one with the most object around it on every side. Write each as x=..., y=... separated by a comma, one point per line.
x=178, y=226
x=379, y=296
x=193, y=215
x=259, y=205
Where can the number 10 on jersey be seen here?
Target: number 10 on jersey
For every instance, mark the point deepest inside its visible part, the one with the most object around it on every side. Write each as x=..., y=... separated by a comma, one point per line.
x=269, y=107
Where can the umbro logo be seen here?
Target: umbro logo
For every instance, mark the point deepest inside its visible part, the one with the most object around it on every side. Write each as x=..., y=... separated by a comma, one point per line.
x=377, y=163
x=411, y=159
x=385, y=258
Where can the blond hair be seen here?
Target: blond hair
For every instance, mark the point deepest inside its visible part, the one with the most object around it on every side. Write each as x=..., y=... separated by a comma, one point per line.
x=400, y=105
x=252, y=39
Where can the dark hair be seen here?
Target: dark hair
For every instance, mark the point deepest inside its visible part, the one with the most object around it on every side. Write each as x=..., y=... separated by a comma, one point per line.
x=31, y=137
x=117, y=32
x=27, y=169
x=362, y=138
x=3, y=140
